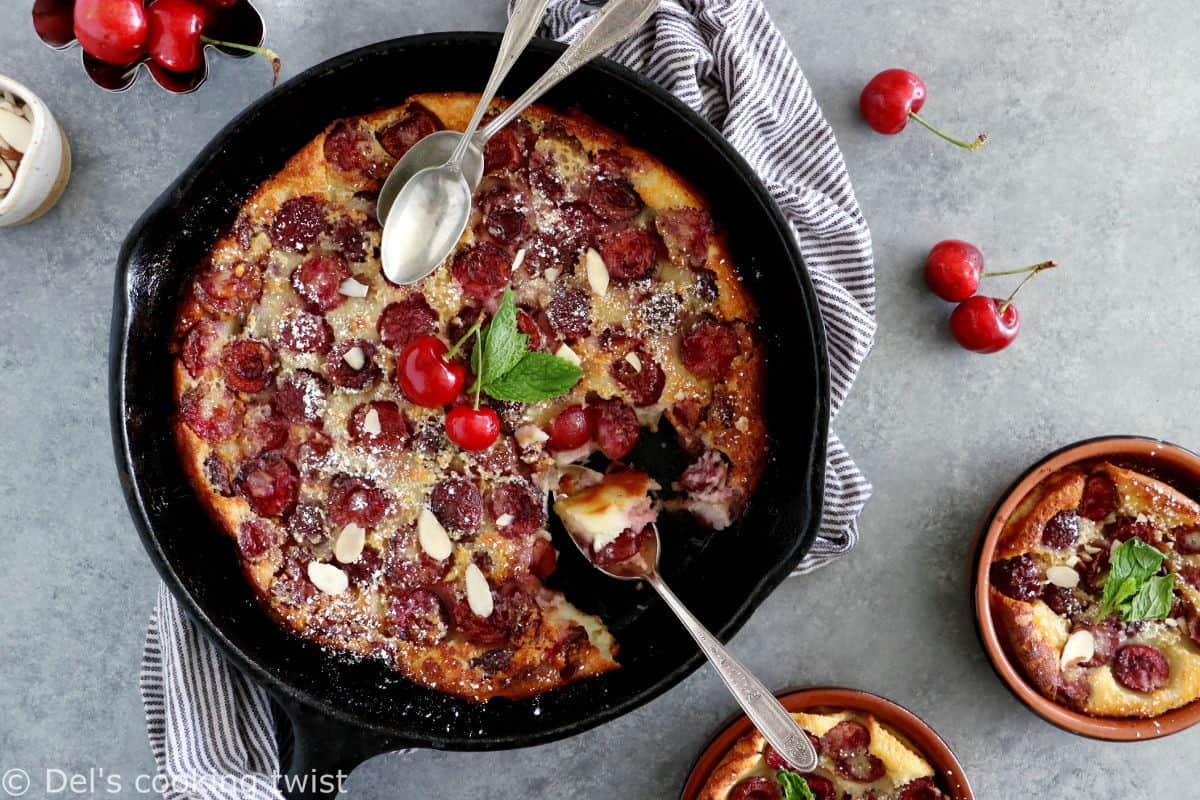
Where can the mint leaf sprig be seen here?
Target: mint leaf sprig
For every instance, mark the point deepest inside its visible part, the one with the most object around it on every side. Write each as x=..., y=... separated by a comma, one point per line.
x=794, y=785
x=504, y=366
x=1133, y=588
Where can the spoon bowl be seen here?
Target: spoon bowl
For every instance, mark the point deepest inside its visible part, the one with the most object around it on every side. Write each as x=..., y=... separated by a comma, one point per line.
x=434, y=150
x=608, y=27
x=637, y=568
x=432, y=211
x=434, y=206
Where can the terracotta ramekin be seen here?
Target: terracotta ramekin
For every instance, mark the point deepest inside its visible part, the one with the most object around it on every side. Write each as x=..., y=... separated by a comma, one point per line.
x=950, y=777
x=1163, y=457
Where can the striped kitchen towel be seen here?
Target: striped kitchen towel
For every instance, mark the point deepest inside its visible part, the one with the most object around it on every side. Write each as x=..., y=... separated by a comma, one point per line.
x=211, y=728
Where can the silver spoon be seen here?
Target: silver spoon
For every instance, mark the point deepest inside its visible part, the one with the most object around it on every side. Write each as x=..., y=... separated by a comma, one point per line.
x=769, y=716
x=430, y=217
x=435, y=204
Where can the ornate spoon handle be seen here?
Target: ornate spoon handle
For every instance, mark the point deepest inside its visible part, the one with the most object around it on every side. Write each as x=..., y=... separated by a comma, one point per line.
x=617, y=21
x=771, y=719
x=523, y=23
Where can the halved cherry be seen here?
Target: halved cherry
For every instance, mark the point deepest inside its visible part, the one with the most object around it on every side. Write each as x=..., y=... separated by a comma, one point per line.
x=426, y=377
x=623, y=548
x=572, y=428
x=543, y=558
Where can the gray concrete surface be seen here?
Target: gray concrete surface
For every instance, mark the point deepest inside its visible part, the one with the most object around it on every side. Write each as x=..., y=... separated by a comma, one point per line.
x=1092, y=112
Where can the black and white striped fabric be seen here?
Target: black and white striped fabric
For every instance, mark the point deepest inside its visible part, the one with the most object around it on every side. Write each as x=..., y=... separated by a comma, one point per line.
x=211, y=728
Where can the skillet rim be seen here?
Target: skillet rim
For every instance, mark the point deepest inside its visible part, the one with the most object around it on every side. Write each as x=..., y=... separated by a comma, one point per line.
x=289, y=695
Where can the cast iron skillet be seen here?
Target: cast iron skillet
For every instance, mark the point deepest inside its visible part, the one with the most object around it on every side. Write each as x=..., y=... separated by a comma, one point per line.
x=344, y=711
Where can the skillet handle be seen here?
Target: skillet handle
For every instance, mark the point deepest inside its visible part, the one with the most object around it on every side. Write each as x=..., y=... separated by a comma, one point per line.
x=322, y=752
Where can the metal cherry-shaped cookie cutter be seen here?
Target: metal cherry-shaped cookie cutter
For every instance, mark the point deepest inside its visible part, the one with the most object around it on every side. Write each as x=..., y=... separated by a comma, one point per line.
x=53, y=20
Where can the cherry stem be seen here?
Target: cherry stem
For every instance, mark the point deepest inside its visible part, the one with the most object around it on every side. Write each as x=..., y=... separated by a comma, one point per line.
x=478, y=380
x=453, y=351
x=474, y=330
x=1034, y=268
x=975, y=145
x=270, y=55
x=1045, y=265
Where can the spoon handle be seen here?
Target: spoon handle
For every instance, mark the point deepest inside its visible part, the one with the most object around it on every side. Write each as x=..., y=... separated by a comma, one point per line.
x=526, y=16
x=611, y=25
x=769, y=716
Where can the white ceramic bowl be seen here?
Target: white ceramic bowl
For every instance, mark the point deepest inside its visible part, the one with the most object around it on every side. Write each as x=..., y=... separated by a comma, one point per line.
x=44, y=170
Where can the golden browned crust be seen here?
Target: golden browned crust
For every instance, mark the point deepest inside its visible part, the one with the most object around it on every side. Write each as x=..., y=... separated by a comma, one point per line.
x=555, y=652
x=1141, y=494
x=742, y=760
x=1031, y=644
x=1023, y=531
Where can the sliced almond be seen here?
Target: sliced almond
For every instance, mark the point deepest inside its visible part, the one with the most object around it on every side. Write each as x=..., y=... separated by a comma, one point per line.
x=16, y=105
x=352, y=288
x=1065, y=577
x=356, y=358
x=518, y=259
x=479, y=594
x=530, y=436
x=16, y=130
x=568, y=354
x=349, y=545
x=597, y=272
x=370, y=423
x=552, y=274
x=504, y=520
x=432, y=536
x=566, y=457
x=1080, y=646
x=634, y=361
x=6, y=176
x=328, y=578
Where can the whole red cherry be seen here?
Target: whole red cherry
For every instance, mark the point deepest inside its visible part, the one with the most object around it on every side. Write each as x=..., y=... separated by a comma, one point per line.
x=113, y=31
x=953, y=268
x=893, y=97
x=985, y=324
x=472, y=428
x=222, y=3
x=425, y=376
x=989, y=324
x=174, y=38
